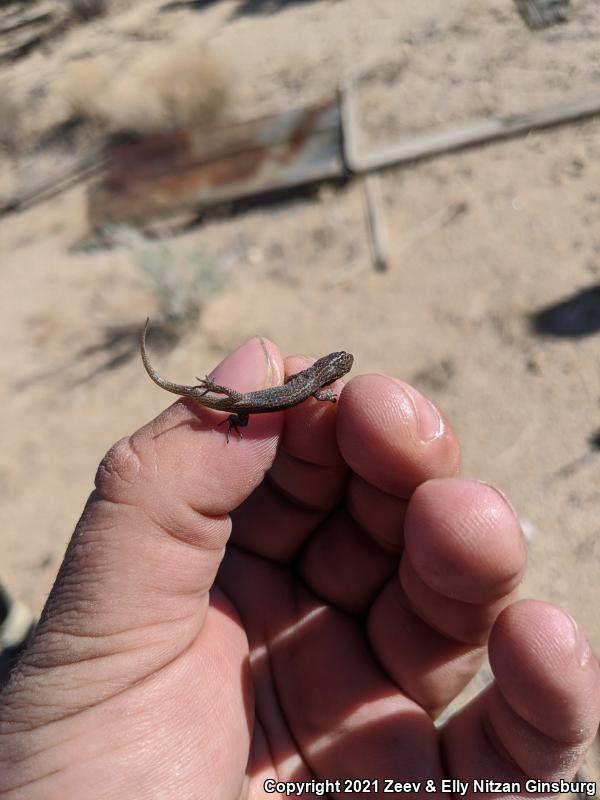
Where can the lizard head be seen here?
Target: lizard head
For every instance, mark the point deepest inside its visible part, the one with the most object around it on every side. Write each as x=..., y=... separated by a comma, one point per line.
x=335, y=364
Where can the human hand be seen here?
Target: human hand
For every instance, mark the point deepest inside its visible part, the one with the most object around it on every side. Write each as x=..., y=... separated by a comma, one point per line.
x=359, y=591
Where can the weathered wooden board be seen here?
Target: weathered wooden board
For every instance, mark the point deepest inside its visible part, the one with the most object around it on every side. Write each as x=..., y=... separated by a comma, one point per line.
x=435, y=142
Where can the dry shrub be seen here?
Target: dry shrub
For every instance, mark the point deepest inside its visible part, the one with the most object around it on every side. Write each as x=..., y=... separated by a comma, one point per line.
x=180, y=88
x=182, y=279
x=86, y=87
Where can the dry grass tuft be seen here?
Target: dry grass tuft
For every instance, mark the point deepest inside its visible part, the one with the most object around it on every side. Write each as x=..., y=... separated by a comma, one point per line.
x=180, y=88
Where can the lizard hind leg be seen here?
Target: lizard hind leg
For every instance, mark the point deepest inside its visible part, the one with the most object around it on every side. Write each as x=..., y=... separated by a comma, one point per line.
x=208, y=385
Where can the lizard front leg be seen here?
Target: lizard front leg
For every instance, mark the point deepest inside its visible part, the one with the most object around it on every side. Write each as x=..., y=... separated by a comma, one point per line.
x=326, y=395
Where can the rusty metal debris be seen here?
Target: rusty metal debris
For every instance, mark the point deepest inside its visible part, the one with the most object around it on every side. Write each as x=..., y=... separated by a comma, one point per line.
x=150, y=179
x=158, y=175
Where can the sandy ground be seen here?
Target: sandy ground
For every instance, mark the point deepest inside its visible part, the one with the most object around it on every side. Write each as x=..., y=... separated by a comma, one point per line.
x=454, y=314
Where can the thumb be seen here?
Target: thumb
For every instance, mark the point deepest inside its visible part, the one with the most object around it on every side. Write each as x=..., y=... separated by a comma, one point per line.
x=132, y=592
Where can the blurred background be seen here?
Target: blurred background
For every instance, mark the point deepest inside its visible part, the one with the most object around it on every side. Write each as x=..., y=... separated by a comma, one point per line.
x=193, y=162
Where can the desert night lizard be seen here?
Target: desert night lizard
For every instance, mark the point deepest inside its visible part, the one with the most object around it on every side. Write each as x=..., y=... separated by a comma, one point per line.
x=296, y=389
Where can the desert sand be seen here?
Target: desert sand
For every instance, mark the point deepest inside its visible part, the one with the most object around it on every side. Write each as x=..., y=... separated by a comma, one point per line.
x=494, y=312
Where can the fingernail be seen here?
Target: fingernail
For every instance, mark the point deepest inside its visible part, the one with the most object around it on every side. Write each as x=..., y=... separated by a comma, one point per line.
x=502, y=495
x=247, y=367
x=431, y=425
x=581, y=646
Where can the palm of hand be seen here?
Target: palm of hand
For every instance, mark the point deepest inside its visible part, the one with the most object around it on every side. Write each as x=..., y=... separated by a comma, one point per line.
x=338, y=677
